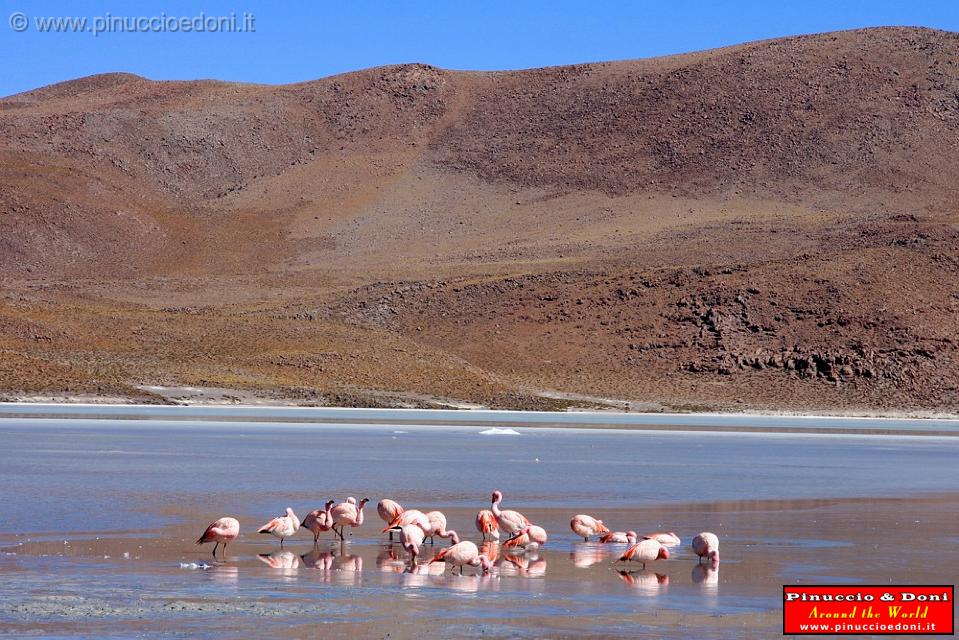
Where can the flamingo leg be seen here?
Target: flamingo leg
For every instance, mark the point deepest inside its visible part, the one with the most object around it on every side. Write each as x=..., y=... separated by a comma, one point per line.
x=214, y=548
x=281, y=543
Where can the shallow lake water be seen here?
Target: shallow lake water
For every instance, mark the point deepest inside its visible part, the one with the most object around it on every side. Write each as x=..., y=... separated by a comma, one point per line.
x=99, y=519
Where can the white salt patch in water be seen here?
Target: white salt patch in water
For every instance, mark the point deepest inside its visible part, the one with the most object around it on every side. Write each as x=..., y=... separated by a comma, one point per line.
x=496, y=431
x=194, y=565
x=401, y=432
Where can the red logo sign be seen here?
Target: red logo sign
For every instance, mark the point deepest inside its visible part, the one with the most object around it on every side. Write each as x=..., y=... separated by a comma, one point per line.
x=868, y=610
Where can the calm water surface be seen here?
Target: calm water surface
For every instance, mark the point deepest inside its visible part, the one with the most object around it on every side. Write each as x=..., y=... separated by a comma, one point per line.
x=99, y=518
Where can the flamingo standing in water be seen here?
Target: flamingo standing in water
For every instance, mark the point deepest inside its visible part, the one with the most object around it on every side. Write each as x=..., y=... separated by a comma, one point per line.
x=486, y=524
x=508, y=520
x=387, y=510
x=282, y=527
x=628, y=537
x=645, y=551
x=665, y=538
x=410, y=516
x=437, y=522
x=411, y=538
x=223, y=531
x=706, y=545
x=462, y=554
x=530, y=538
x=347, y=513
x=319, y=520
x=586, y=526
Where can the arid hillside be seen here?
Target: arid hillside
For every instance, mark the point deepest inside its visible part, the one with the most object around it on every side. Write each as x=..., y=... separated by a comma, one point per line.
x=771, y=225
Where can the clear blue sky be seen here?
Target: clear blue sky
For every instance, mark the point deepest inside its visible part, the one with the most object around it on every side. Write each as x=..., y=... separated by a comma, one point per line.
x=305, y=40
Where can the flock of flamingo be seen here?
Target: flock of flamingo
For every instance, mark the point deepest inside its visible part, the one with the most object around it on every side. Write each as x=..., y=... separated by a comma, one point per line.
x=415, y=527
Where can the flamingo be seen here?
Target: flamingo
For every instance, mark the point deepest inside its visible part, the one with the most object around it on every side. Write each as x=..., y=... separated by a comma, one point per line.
x=487, y=525
x=665, y=538
x=628, y=537
x=410, y=516
x=586, y=526
x=437, y=522
x=530, y=537
x=645, y=551
x=319, y=520
x=347, y=513
x=462, y=554
x=387, y=510
x=282, y=527
x=223, y=531
x=706, y=545
x=411, y=538
x=508, y=520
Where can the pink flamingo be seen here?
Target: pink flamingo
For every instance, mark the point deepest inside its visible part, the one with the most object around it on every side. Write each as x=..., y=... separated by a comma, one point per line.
x=706, y=545
x=387, y=510
x=319, y=520
x=462, y=554
x=282, y=527
x=645, y=551
x=437, y=522
x=586, y=526
x=410, y=516
x=510, y=521
x=224, y=530
x=487, y=525
x=628, y=537
x=665, y=538
x=347, y=513
x=530, y=537
x=411, y=539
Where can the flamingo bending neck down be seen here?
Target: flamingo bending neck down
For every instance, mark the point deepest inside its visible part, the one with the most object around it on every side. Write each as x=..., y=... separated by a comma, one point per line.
x=529, y=538
x=508, y=520
x=282, y=527
x=628, y=537
x=348, y=513
x=706, y=545
x=319, y=520
x=586, y=526
x=437, y=522
x=665, y=538
x=462, y=554
x=222, y=531
x=411, y=538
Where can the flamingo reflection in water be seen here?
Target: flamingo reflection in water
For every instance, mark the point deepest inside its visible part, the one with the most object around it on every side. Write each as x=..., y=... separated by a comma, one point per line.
x=645, y=581
x=280, y=559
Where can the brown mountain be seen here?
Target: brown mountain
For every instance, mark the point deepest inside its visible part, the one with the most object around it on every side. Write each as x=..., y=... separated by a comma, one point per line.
x=770, y=225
